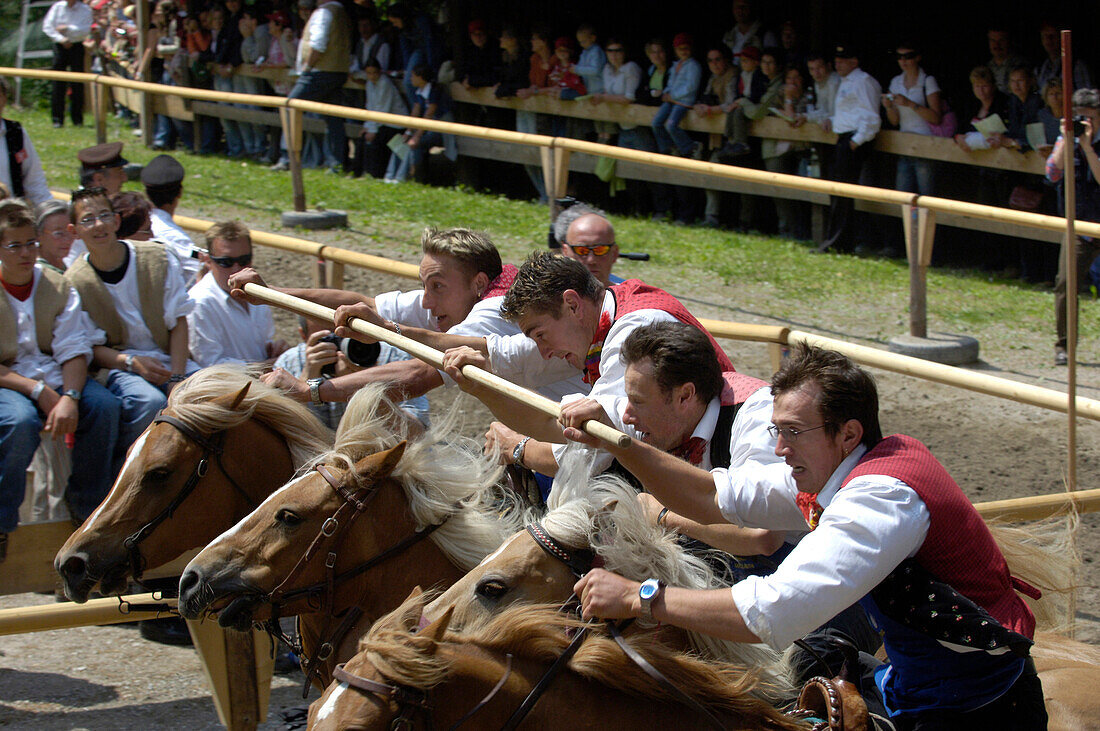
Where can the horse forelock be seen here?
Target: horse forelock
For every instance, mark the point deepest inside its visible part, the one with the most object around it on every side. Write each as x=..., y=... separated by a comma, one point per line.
x=541, y=633
x=193, y=402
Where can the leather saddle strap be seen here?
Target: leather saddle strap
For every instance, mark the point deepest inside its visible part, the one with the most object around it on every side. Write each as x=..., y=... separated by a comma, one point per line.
x=485, y=701
x=661, y=680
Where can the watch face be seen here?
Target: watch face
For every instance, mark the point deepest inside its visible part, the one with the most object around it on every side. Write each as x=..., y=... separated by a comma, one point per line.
x=647, y=591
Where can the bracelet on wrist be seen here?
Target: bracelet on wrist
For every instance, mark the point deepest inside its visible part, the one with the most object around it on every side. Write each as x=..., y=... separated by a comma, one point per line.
x=128, y=364
x=396, y=326
x=661, y=518
x=36, y=392
x=176, y=378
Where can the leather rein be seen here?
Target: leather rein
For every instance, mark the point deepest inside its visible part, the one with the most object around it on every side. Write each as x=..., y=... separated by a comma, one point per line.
x=332, y=533
x=212, y=448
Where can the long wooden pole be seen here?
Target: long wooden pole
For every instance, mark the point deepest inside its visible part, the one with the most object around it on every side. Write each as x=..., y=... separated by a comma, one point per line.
x=1069, y=149
x=434, y=358
x=1038, y=507
x=63, y=616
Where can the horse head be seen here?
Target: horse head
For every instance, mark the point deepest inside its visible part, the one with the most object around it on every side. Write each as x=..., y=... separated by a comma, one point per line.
x=181, y=485
x=295, y=543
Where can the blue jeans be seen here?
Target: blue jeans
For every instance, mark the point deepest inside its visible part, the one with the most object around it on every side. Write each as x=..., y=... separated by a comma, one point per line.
x=168, y=129
x=914, y=175
x=666, y=129
x=141, y=401
x=95, y=438
x=234, y=144
x=326, y=87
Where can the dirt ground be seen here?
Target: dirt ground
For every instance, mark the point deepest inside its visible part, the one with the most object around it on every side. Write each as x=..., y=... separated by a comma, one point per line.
x=108, y=677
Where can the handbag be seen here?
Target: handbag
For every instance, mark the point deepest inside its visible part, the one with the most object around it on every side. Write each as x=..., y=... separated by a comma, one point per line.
x=949, y=123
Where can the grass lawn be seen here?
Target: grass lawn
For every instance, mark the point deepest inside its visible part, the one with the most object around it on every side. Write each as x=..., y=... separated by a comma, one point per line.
x=733, y=276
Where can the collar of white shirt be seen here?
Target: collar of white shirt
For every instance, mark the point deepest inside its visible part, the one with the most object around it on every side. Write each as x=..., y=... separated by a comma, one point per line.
x=837, y=479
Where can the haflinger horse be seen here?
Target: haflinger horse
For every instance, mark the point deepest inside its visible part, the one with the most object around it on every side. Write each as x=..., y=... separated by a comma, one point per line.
x=435, y=678
x=222, y=444
x=604, y=522
x=344, y=542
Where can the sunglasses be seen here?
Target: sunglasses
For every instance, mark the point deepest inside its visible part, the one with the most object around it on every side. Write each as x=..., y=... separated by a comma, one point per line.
x=598, y=250
x=225, y=262
x=908, y=55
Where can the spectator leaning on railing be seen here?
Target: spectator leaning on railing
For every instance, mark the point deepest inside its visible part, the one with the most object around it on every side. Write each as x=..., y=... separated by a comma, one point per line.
x=1001, y=58
x=1051, y=67
x=382, y=95
x=681, y=89
x=325, y=53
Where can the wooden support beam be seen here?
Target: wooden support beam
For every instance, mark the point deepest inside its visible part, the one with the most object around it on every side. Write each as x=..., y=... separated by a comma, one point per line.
x=238, y=668
x=919, y=225
x=46, y=617
x=335, y=275
x=292, y=131
x=101, y=107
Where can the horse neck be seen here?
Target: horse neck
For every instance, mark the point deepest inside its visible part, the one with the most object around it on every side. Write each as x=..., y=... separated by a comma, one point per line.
x=258, y=459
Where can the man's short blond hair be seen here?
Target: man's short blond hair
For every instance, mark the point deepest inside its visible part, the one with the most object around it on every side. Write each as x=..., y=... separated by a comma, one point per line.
x=228, y=231
x=472, y=249
x=15, y=213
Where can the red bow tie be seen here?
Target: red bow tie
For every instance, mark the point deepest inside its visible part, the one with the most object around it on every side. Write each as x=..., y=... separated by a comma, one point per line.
x=592, y=359
x=811, y=509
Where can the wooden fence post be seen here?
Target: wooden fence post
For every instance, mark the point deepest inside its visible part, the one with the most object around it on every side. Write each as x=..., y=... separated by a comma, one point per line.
x=101, y=106
x=292, y=130
x=335, y=274
x=919, y=225
x=561, y=173
x=238, y=667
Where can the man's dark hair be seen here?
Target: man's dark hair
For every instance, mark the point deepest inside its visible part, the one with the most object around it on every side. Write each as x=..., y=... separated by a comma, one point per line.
x=372, y=63
x=680, y=353
x=847, y=391
x=819, y=54
x=1088, y=98
x=164, y=195
x=723, y=49
x=133, y=212
x=541, y=282
x=425, y=72
x=83, y=194
x=587, y=28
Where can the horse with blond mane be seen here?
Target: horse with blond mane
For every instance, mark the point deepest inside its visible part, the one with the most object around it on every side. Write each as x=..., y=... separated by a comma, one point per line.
x=345, y=541
x=222, y=444
x=435, y=677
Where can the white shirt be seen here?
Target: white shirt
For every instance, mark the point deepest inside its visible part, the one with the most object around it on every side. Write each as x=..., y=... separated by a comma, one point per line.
x=78, y=18
x=623, y=81
x=857, y=102
x=222, y=330
x=73, y=336
x=176, y=240
x=320, y=27
x=824, y=99
x=128, y=305
x=866, y=530
x=383, y=96
x=736, y=40
x=908, y=119
x=34, y=178
x=484, y=321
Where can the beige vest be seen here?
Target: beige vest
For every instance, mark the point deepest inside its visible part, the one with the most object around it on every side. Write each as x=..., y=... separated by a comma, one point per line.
x=337, y=55
x=152, y=273
x=50, y=296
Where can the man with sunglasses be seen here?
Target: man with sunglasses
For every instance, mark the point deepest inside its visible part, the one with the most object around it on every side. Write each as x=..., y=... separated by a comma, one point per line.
x=590, y=239
x=163, y=181
x=889, y=529
x=221, y=329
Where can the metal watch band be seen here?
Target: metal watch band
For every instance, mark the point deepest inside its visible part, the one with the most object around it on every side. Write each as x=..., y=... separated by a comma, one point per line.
x=315, y=389
x=72, y=393
x=517, y=453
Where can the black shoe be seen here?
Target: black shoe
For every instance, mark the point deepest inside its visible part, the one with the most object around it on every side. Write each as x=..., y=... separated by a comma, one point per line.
x=167, y=631
x=732, y=151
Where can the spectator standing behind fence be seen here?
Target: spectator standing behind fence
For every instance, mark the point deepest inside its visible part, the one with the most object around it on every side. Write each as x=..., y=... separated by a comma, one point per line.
x=325, y=51
x=748, y=30
x=824, y=89
x=225, y=53
x=1051, y=67
x=221, y=329
x=419, y=39
x=717, y=93
x=46, y=343
x=382, y=95
x=1051, y=114
x=913, y=103
x=1001, y=58
x=481, y=58
x=1086, y=103
x=590, y=65
x=20, y=167
x=786, y=156
x=67, y=24
x=281, y=54
x=681, y=89
x=856, y=121
x=370, y=44
x=1023, y=107
x=749, y=87
x=254, y=44
x=649, y=93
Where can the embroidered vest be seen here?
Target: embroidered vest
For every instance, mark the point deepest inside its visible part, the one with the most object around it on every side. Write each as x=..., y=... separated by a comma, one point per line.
x=51, y=293
x=337, y=55
x=959, y=548
x=152, y=272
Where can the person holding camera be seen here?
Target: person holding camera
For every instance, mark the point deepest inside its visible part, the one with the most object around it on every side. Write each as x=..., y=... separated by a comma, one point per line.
x=221, y=329
x=1086, y=168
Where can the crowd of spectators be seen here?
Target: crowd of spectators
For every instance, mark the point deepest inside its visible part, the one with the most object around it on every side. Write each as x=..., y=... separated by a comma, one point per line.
x=747, y=73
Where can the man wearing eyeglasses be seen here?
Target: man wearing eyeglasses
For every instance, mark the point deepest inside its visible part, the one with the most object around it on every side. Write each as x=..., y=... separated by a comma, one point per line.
x=221, y=329
x=134, y=292
x=889, y=529
x=590, y=239
x=163, y=181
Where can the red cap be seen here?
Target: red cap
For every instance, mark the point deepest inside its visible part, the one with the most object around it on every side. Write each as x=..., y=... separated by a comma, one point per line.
x=475, y=26
x=681, y=39
x=564, y=42
x=280, y=17
x=750, y=52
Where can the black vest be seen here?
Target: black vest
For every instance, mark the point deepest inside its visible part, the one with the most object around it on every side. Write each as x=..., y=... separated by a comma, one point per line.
x=14, y=137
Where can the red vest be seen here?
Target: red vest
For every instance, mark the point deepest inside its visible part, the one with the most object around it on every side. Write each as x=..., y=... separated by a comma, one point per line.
x=503, y=282
x=738, y=387
x=634, y=294
x=959, y=548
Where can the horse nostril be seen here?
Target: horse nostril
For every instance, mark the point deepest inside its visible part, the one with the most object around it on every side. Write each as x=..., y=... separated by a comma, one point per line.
x=189, y=582
x=74, y=568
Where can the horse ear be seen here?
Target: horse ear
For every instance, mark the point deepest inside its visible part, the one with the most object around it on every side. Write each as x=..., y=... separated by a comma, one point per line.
x=380, y=465
x=414, y=594
x=232, y=403
x=438, y=628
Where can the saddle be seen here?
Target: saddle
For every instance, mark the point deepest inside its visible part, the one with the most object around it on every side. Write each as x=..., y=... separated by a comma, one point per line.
x=836, y=701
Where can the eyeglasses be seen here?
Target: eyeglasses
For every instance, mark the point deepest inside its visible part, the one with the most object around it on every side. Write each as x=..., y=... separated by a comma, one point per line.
x=908, y=55
x=598, y=250
x=225, y=262
x=89, y=220
x=617, y=49
x=790, y=435
x=16, y=248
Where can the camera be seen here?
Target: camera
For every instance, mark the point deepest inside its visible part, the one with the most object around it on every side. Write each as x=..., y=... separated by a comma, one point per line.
x=363, y=355
x=1079, y=125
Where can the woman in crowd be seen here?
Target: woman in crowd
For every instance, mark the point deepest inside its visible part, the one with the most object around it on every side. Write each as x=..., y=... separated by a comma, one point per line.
x=1051, y=114
x=1023, y=107
x=54, y=238
x=786, y=156
x=913, y=103
x=677, y=98
x=512, y=75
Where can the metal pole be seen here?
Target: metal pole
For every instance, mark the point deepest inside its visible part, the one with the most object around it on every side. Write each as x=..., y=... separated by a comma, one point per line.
x=1069, y=149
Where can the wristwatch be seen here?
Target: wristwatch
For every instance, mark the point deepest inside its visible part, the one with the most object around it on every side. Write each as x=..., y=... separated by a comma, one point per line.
x=72, y=393
x=647, y=593
x=315, y=389
x=517, y=453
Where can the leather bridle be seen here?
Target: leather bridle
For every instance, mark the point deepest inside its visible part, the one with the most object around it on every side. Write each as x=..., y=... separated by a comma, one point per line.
x=331, y=537
x=212, y=447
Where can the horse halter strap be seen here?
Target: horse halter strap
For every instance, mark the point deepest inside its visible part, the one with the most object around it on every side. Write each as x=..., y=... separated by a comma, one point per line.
x=410, y=700
x=579, y=560
x=212, y=446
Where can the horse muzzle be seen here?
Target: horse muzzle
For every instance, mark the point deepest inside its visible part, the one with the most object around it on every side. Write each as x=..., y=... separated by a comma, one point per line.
x=232, y=599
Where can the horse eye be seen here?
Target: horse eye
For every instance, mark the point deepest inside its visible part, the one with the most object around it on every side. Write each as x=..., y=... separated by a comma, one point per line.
x=159, y=475
x=288, y=518
x=492, y=589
